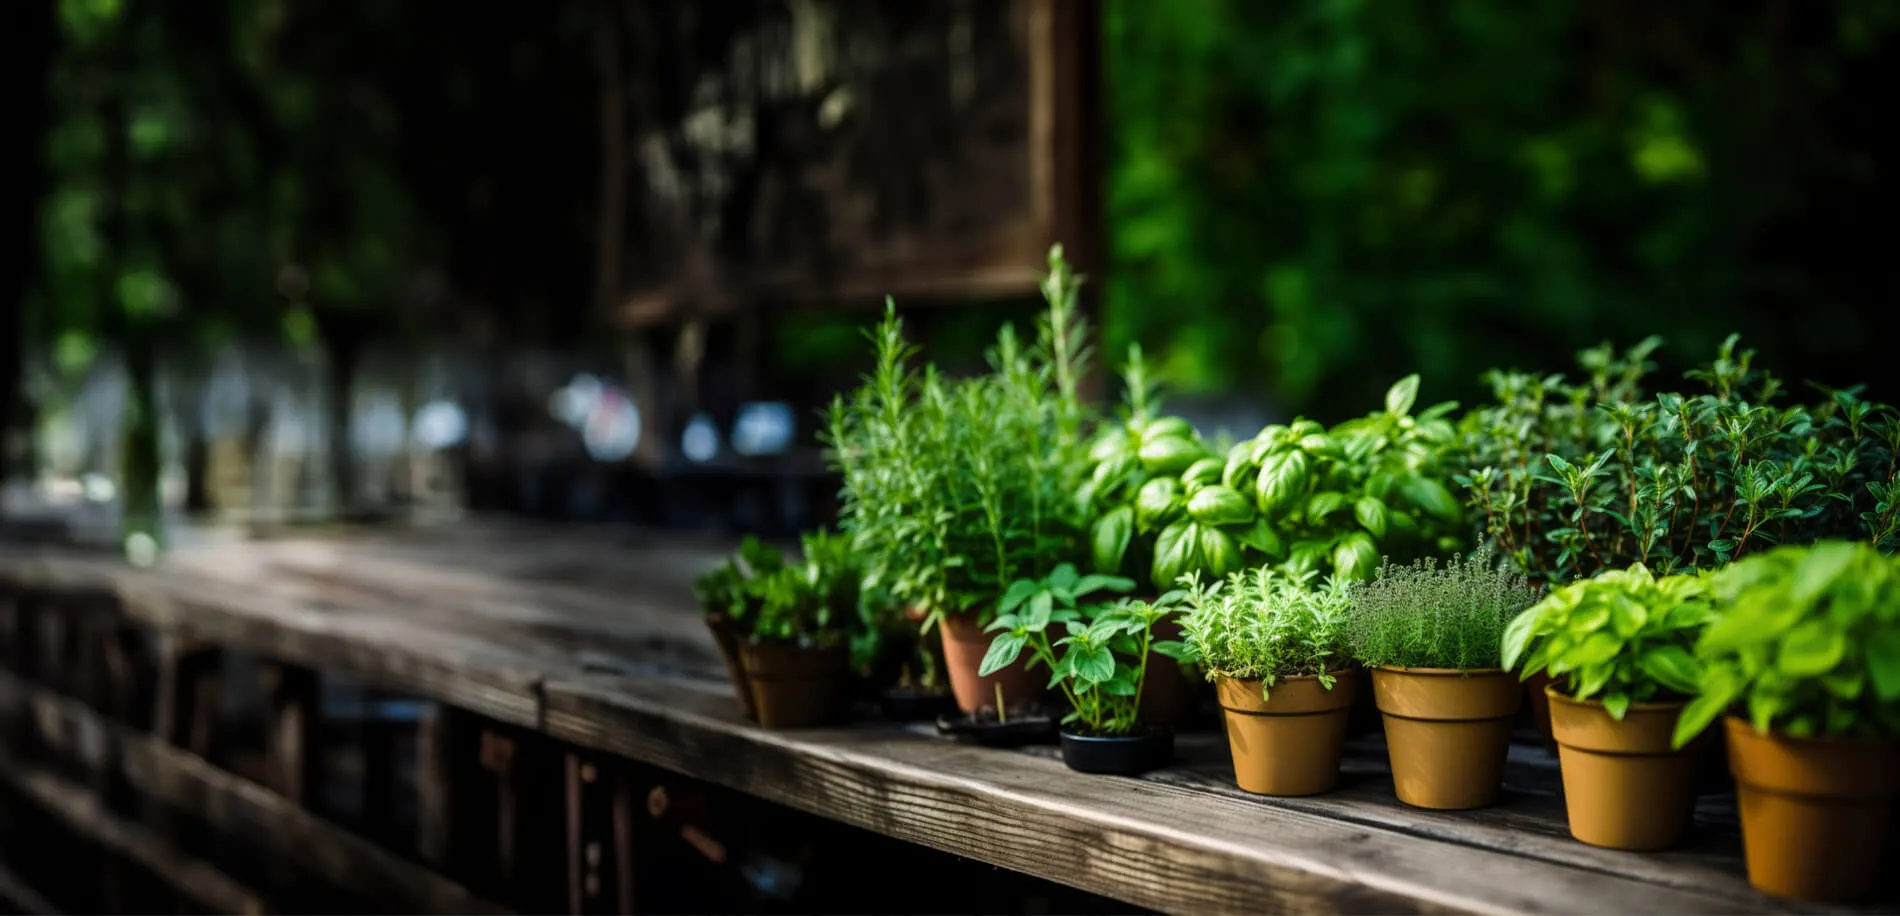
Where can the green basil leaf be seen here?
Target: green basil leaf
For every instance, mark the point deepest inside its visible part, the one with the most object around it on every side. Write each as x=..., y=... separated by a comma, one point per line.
x=1282, y=478
x=1400, y=397
x=1370, y=514
x=1003, y=652
x=1356, y=557
x=1883, y=663
x=1203, y=473
x=1811, y=649
x=1218, y=505
x=1095, y=664
x=1170, y=454
x=1261, y=536
x=1672, y=667
x=1157, y=504
x=1175, y=549
x=1110, y=538
x=1220, y=554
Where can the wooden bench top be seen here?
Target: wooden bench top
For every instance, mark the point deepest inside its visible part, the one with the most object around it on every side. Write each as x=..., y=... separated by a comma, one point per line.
x=593, y=637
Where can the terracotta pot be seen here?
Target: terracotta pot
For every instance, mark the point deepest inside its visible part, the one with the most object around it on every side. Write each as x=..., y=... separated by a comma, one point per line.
x=1447, y=732
x=1626, y=787
x=1169, y=695
x=1539, y=707
x=964, y=644
x=795, y=686
x=1289, y=743
x=728, y=643
x=1816, y=812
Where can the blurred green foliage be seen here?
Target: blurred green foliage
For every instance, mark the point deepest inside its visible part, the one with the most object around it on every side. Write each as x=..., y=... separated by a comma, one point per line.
x=1309, y=198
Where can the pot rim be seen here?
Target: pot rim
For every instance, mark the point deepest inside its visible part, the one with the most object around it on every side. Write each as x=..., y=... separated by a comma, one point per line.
x=1734, y=723
x=1148, y=733
x=1551, y=692
x=1337, y=673
x=1439, y=672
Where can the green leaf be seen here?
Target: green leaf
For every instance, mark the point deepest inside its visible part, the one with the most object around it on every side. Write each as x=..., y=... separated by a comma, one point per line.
x=1356, y=557
x=1400, y=397
x=1617, y=704
x=1370, y=514
x=1261, y=536
x=1109, y=540
x=1176, y=551
x=1597, y=648
x=1041, y=605
x=1430, y=497
x=1883, y=663
x=1170, y=454
x=1094, y=664
x=1003, y=652
x=1322, y=504
x=1811, y=649
x=1670, y=666
x=1089, y=585
x=1220, y=554
x=1218, y=505
x=1282, y=478
x=1696, y=716
x=1019, y=591
x=1158, y=503
x=1517, y=636
x=1822, y=564
x=1121, y=685
x=1175, y=649
x=1204, y=472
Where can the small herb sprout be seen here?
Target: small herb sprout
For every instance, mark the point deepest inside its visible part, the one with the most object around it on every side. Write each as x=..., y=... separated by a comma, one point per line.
x=1806, y=642
x=733, y=589
x=1621, y=637
x=1262, y=625
x=1102, y=664
x=813, y=602
x=1424, y=615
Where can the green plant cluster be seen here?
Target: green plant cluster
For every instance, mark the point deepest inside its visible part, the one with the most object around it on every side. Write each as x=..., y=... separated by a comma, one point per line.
x=1424, y=615
x=1299, y=497
x=815, y=601
x=1262, y=625
x=1621, y=637
x=1101, y=664
x=1576, y=478
x=1806, y=642
x=954, y=488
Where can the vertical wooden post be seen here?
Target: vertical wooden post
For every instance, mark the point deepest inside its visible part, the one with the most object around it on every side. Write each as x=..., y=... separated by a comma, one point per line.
x=599, y=837
x=291, y=728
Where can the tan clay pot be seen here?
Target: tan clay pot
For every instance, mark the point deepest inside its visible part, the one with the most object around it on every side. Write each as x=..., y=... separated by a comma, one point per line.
x=1168, y=695
x=1447, y=732
x=794, y=686
x=1817, y=813
x=728, y=644
x=1626, y=787
x=1291, y=742
x=964, y=644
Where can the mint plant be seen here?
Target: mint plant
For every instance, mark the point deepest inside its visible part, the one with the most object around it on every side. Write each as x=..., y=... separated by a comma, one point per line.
x=1621, y=637
x=733, y=588
x=1576, y=478
x=1101, y=661
x=1424, y=615
x=1262, y=625
x=1806, y=643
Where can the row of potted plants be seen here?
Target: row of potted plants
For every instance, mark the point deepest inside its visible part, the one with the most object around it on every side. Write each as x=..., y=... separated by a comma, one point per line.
x=1060, y=565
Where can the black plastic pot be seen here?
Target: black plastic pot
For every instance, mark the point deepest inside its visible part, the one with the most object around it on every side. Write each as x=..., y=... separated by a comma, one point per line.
x=1017, y=731
x=902, y=704
x=1120, y=755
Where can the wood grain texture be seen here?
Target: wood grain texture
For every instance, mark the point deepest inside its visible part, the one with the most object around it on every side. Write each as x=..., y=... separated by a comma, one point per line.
x=242, y=810
x=1150, y=842
x=83, y=812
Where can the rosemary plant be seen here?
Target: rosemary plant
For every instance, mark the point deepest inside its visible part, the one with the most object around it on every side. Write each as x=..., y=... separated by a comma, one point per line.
x=1424, y=615
x=953, y=488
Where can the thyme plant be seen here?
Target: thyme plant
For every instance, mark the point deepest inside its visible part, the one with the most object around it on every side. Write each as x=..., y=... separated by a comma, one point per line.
x=1262, y=625
x=953, y=488
x=1424, y=615
x=1576, y=478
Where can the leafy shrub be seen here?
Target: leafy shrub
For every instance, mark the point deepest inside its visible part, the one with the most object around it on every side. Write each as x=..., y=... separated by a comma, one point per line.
x=732, y=588
x=1261, y=625
x=1101, y=665
x=953, y=488
x=1622, y=636
x=1807, y=642
x=1426, y=616
x=1575, y=479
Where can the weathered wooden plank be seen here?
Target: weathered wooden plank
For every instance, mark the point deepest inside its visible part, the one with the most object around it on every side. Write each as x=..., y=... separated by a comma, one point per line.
x=83, y=811
x=254, y=815
x=1147, y=842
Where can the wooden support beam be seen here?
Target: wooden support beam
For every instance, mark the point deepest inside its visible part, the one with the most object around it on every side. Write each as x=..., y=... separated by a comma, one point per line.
x=192, y=878
x=291, y=728
x=174, y=779
x=599, y=836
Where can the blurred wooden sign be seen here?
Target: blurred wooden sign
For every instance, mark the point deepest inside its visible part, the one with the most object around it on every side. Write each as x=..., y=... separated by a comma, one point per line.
x=775, y=153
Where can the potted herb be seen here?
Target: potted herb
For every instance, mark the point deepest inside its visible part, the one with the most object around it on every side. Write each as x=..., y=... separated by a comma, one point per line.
x=1100, y=665
x=729, y=599
x=1431, y=637
x=1804, y=662
x=1146, y=472
x=1621, y=643
x=1274, y=645
x=796, y=655
x=954, y=488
